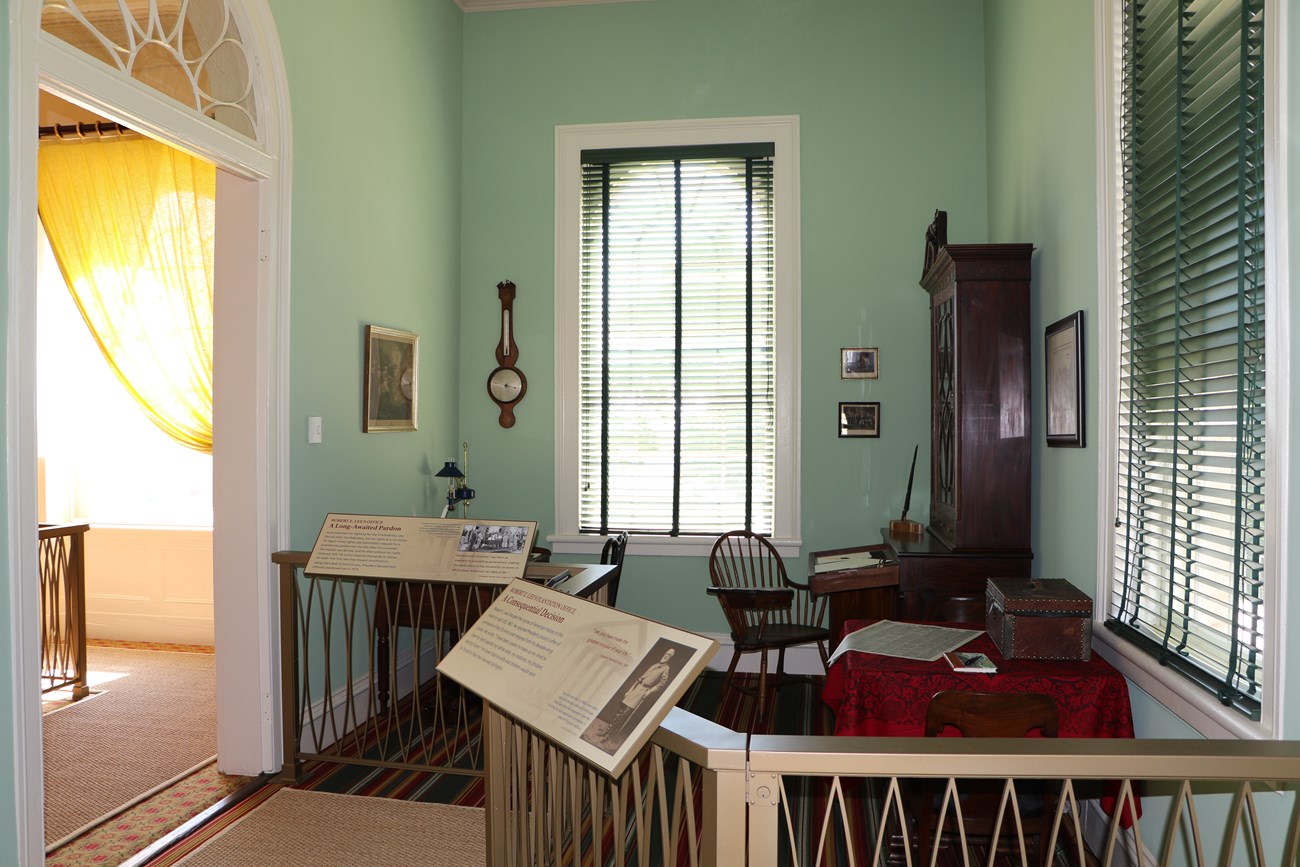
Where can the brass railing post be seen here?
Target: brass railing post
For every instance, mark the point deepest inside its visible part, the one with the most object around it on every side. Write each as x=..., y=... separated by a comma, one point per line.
x=77, y=604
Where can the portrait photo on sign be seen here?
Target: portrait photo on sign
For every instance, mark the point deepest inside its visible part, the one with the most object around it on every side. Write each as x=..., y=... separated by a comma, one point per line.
x=860, y=363
x=636, y=696
x=391, y=388
x=860, y=419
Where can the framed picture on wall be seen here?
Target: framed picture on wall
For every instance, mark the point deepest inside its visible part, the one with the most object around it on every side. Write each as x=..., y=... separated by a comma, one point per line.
x=391, y=386
x=860, y=362
x=859, y=419
x=1064, y=354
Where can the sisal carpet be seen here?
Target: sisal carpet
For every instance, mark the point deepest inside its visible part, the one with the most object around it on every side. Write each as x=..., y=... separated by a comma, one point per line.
x=796, y=709
x=293, y=828
x=152, y=721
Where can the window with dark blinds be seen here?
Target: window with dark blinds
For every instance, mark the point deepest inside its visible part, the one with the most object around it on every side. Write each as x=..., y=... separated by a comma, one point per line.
x=676, y=364
x=1188, y=553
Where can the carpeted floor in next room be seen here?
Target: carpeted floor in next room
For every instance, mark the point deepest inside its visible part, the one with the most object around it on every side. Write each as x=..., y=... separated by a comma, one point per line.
x=133, y=760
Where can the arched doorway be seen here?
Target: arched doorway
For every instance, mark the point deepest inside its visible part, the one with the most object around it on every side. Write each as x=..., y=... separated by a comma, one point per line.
x=243, y=128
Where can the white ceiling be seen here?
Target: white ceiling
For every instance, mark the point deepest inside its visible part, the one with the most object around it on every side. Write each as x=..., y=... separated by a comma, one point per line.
x=496, y=5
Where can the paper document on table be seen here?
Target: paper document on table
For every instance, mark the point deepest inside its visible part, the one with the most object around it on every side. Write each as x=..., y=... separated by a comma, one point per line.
x=847, y=560
x=908, y=640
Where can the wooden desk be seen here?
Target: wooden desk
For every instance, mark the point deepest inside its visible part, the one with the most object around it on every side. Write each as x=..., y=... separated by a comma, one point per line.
x=864, y=592
x=929, y=573
x=452, y=608
x=919, y=579
x=886, y=696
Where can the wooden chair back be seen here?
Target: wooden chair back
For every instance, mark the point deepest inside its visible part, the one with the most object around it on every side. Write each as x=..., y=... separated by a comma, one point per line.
x=745, y=560
x=612, y=555
x=989, y=715
x=992, y=714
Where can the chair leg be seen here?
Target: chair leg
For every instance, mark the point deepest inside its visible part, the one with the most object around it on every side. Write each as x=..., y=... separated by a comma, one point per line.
x=762, y=687
x=728, y=681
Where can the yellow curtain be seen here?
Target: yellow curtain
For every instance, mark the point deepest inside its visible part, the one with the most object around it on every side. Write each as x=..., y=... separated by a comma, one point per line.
x=131, y=223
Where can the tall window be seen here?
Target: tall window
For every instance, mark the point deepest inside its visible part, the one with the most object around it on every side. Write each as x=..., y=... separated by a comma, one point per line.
x=1188, y=556
x=677, y=382
x=676, y=328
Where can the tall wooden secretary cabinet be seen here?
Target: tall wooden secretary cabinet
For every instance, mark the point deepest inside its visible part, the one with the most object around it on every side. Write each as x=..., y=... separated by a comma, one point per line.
x=980, y=444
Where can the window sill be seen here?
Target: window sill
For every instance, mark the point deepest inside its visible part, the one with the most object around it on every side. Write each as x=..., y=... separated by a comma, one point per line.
x=658, y=546
x=1196, y=708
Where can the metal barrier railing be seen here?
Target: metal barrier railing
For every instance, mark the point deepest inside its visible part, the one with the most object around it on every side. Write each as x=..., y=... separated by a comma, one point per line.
x=682, y=800
x=701, y=794
x=697, y=795
x=1195, y=801
x=359, y=659
x=62, y=555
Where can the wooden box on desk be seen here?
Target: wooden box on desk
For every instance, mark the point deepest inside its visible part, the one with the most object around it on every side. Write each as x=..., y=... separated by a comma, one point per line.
x=1039, y=618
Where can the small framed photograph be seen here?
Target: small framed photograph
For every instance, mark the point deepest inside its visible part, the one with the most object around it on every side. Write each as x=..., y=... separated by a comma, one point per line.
x=860, y=363
x=1064, y=354
x=859, y=419
x=391, y=379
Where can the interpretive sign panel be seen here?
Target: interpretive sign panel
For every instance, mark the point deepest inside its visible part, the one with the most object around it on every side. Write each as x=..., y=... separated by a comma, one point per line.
x=593, y=679
x=455, y=550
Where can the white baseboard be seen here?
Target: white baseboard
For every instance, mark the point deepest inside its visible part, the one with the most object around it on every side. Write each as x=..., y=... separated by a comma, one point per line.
x=801, y=659
x=137, y=626
x=1096, y=824
x=330, y=713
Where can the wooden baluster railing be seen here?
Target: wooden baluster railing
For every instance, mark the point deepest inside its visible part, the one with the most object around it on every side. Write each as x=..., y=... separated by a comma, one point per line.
x=63, y=607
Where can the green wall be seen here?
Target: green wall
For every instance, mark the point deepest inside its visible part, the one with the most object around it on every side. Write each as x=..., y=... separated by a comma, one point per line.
x=8, y=728
x=423, y=175
x=1042, y=173
x=891, y=106
x=376, y=101
x=1043, y=188
x=1042, y=170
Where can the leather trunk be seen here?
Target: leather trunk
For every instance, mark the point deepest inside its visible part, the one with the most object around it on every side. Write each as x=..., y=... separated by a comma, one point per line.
x=1039, y=618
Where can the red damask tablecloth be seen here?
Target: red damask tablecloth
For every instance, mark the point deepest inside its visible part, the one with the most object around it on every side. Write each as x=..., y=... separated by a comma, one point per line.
x=885, y=696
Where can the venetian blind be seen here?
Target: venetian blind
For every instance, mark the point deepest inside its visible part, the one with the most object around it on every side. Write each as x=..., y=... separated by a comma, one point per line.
x=677, y=381
x=1188, y=551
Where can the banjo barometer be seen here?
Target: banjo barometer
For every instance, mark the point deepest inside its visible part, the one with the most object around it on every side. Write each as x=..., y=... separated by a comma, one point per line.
x=507, y=384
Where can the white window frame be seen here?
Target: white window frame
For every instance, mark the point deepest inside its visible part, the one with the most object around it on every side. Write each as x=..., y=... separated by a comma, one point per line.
x=1193, y=705
x=570, y=142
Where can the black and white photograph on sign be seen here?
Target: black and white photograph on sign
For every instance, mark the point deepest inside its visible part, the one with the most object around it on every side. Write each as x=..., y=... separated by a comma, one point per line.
x=636, y=695
x=493, y=538
x=859, y=419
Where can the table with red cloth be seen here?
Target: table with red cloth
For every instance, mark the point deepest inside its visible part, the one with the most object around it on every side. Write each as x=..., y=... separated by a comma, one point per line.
x=887, y=696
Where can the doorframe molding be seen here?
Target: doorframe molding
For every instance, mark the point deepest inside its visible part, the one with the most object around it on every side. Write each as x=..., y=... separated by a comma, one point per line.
x=252, y=519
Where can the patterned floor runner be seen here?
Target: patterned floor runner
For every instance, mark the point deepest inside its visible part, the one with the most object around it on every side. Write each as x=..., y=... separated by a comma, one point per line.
x=796, y=710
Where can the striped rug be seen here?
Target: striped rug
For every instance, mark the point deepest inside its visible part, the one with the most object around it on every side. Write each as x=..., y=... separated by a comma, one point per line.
x=796, y=710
